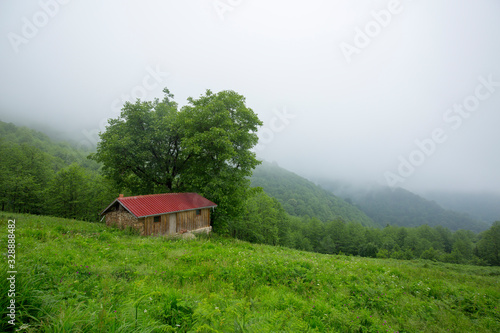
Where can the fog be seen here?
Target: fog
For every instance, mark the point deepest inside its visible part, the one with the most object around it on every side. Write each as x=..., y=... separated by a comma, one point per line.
x=400, y=93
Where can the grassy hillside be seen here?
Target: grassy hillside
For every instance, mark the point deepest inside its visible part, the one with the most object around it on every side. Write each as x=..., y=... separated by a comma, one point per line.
x=301, y=197
x=81, y=277
x=403, y=208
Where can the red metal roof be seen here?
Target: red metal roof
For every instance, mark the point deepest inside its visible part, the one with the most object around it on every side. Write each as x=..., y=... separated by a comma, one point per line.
x=156, y=204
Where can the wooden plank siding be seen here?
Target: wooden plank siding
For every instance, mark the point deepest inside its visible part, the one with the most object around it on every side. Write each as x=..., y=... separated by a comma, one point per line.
x=187, y=220
x=190, y=221
x=156, y=228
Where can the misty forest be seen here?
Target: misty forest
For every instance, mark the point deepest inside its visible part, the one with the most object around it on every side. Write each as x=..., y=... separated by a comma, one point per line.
x=204, y=147
x=232, y=166
x=279, y=208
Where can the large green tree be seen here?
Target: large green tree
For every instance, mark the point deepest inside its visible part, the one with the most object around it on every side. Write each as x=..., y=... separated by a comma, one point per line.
x=204, y=147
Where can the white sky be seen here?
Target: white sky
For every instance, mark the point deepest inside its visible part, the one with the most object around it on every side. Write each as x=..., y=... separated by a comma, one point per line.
x=352, y=119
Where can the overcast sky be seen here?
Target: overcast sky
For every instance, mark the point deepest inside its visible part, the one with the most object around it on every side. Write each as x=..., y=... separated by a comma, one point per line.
x=402, y=93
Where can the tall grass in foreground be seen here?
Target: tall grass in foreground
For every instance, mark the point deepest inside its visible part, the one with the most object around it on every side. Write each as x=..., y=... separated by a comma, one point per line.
x=82, y=277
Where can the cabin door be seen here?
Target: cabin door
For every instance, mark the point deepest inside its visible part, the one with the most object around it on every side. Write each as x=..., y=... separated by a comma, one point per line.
x=156, y=228
x=172, y=224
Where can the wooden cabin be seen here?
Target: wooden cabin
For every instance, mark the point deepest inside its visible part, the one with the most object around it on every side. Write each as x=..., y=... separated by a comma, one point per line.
x=161, y=214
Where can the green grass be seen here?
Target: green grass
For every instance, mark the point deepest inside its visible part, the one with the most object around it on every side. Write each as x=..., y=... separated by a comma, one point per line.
x=82, y=277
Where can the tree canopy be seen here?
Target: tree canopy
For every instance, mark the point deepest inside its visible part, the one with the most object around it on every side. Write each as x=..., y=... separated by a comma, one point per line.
x=203, y=147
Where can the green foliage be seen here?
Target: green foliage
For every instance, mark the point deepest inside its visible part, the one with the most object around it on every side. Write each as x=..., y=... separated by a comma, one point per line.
x=204, y=147
x=77, y=193
x=266, y=222
x=86, y=277
x=68, y=192
x=24, y=174
x=301, y=197
x=489, y=246
x=40, y=176
x=63, y=153
x=262, y=221
x=430, y=254
x=32, y=180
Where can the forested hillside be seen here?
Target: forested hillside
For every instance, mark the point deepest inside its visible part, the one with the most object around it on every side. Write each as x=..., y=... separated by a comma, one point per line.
x=481, y=206
x=63, y=153
x=40, y=176
x=301, y=197
x=400, y=207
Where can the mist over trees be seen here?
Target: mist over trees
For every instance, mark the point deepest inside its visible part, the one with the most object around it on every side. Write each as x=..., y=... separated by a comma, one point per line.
x=300, y=197
x=397, y=206
x=483, y=206
x=40, y=176
x=265, y=221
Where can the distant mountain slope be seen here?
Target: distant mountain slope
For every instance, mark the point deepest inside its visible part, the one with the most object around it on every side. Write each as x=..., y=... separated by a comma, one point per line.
x=63, y=152
x=403, y=208
x=481, y=206
x=301, y=197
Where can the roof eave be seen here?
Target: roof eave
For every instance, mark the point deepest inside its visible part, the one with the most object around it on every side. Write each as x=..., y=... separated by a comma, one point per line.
x=111, y=204
x=176, y=211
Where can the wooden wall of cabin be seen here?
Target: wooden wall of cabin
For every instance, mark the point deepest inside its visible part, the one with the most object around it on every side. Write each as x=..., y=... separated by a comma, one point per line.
x=184, y=221
x=156, y=228
x=190, y=221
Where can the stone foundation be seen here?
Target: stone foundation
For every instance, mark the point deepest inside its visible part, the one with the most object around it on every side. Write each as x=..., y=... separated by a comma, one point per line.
x=123, y=219
x=206, y=230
